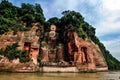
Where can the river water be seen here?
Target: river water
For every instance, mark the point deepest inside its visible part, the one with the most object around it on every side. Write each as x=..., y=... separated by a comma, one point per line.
x=111, y=75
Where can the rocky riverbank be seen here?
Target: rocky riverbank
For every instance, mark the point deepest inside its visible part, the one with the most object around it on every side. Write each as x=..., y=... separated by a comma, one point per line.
x=16, y=66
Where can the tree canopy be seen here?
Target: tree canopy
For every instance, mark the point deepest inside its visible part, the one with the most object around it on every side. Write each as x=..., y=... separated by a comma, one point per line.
x=13, y=18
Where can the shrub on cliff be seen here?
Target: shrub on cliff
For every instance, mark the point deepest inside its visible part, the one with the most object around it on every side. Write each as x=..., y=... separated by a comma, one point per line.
x=11, y=53
x=11, y=15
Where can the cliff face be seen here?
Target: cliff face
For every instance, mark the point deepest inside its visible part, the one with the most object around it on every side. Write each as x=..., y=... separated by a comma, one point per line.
x=87, y=54
x=27, y=40
x=19, y=19
x=84, y=54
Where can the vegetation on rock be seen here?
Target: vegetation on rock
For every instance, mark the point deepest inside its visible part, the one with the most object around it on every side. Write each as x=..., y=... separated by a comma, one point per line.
x=21, y=18
x=11, y=53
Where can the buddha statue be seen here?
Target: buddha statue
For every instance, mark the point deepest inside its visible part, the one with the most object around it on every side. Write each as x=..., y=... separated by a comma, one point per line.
x=54, y=49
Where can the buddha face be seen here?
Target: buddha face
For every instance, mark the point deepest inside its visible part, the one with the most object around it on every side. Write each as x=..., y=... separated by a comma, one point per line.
x=53, y=28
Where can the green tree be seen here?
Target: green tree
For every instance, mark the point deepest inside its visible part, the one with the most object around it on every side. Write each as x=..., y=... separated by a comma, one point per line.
x=7, y=9
x=24, y=57
x=28, y=18
x=11, y=53
x=39, y=18
x=54, y=21
x=71, y=17
x=38, y=9
x=27, y=9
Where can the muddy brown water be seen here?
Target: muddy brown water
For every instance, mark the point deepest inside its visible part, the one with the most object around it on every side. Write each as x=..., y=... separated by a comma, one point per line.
x=111, y=75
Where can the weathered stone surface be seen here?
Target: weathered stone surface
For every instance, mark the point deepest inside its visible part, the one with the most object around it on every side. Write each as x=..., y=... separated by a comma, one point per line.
x=58, y=69
x=52, y=51
x=16, y=66
x=83, y=55
x=27, y=40
x=44, y=55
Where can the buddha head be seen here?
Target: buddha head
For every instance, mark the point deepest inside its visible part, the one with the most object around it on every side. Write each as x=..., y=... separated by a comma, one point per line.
x=53, y=28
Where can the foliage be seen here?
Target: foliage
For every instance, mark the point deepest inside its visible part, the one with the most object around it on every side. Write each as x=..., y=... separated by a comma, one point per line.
x=13, y=18
x=39, y=18
x=24, y=56
x=113, y=63
x=28, y=19
x=11, y=53
x=27, y=9
x=54, y=21
x=31, y=13
x=7, y=24
x=3, y=28
x=71, y=17
x=7, y=10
